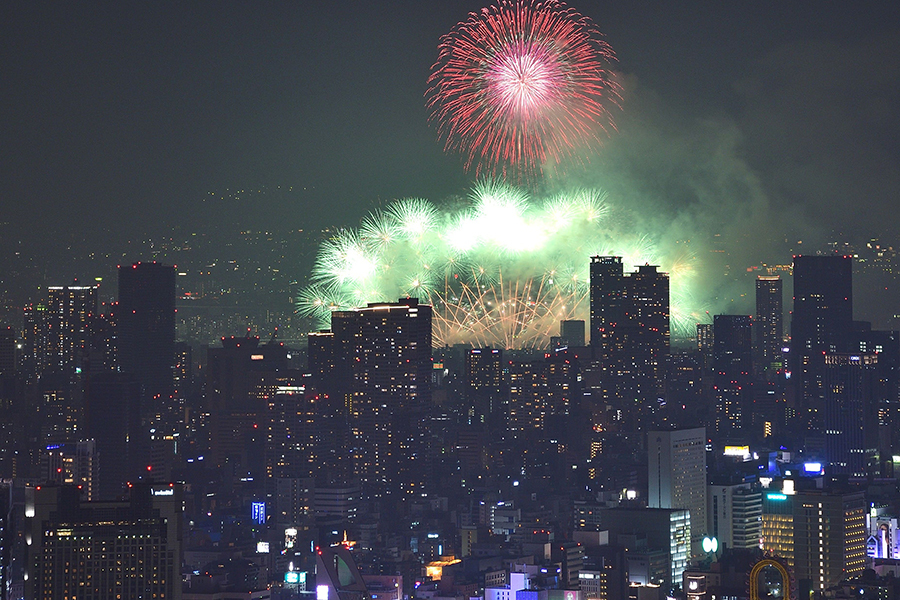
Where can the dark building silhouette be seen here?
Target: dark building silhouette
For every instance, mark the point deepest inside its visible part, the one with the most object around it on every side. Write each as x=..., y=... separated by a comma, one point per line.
x=113, y=419
x=483, y=379
x=242, y=376
x=733, y=372
x=571, y=333
x=768, y=326
x=146, y=332
x=821, y=322
x=851, y=420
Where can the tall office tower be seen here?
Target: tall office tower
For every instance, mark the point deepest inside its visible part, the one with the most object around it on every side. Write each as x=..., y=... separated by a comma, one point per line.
x=240, y=378
x=705, y=345
x=572, y=332
x=735, y=514
x=103, y=351
x=291, y=447
x=733, y=379
x=821, y=321
x=483, y=378
x=527, y=400
x=112, y=419
x=851, y=419
x=34, y=339
x=75, y=552
x=607, y=287
x=647, y=322
x=820, y=533
x=388, y=349
x=146, y=332
x=768, y=329
x=67, y=322
x=677, y=475
x=630, y=330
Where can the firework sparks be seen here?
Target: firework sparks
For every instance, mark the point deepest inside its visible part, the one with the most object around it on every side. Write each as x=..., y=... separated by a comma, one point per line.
x=485, y=289
x=521, y=84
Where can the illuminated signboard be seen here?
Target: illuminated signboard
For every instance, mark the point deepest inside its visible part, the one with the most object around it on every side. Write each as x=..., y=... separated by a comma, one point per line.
x=321, y=592
x=776, y=497
x=737, y=451
x=258, y=512
x=262, y=547
x=292, y=577
x=812, y=467
x=164, y=492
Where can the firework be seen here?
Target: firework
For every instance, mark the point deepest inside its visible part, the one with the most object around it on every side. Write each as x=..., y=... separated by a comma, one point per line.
x=501, y=271
x=522, y=84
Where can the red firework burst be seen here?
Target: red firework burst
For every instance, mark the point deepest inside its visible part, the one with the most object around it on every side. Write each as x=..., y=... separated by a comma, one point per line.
x=522, y=84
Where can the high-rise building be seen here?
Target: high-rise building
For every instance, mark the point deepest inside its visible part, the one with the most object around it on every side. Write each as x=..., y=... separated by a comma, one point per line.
x=242, y=376
x=821, y=533
x=146, y=332
x=122, y=450
x=851, y=419
x=677, y=475
x=735, y=514
x=733, y=373
x=67, y=322
x=768, y=327
x=74, y=551
x=821, y=321
x=630, y=333
x=388, y=349
x=483, y=377
x=606, y=290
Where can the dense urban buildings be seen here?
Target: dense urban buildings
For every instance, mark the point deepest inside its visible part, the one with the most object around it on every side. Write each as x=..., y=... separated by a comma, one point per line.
x=604, y=471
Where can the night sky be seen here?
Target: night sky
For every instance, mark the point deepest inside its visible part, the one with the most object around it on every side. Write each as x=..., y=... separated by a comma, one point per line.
x=782, y=115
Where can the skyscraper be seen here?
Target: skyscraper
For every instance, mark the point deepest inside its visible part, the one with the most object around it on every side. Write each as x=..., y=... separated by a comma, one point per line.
x=733, y=372
x=851, y=419
x=821, y=322
x=606, y=291
x=630, y=333
x=146, y=331
x=121, y=449
x=67, y=322
x=821, y=533
x=677, y=475
x=388, y=349
x=768, y=328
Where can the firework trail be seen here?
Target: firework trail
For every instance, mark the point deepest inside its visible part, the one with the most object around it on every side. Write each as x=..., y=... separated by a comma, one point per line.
x=522, y=84
x=501, y=271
